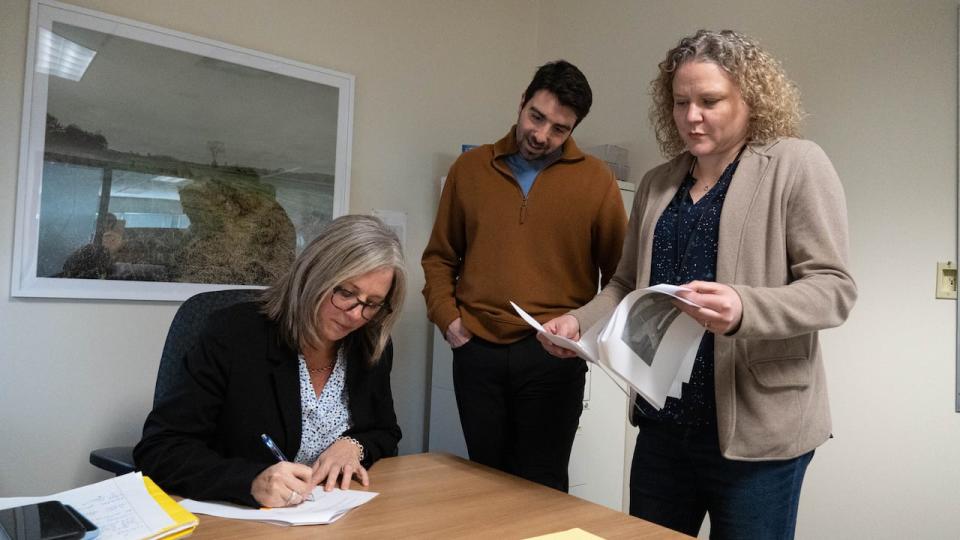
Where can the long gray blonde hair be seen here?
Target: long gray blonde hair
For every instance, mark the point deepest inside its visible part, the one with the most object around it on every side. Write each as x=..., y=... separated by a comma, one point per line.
x=347, y=247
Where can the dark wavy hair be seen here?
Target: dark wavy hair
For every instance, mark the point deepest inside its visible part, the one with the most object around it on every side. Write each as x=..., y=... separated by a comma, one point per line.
x=567, y=82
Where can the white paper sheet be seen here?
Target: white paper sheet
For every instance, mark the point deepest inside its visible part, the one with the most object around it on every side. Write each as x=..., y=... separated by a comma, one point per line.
x=327, y=507
x=121, y=507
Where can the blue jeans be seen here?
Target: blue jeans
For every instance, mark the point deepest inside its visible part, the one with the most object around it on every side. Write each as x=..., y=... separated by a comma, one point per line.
x=678, y=475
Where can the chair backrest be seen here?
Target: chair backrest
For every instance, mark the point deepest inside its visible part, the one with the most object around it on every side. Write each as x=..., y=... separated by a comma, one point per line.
x=185, y=331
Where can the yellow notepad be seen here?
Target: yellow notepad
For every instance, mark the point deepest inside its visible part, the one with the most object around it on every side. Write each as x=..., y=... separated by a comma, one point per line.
x=183, y=521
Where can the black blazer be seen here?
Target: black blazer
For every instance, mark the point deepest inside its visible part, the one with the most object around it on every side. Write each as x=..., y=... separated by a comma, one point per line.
x=203, y=441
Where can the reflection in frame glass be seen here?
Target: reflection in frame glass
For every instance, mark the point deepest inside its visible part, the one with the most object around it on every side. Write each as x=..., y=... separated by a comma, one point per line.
x=155, y=164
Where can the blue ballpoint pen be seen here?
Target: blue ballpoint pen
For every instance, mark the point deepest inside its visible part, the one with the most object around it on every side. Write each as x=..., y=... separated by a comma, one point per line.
x=272, y=446
x=277, y=453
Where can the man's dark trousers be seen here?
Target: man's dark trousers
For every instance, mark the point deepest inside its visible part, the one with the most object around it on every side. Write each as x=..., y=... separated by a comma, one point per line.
x=519, y=407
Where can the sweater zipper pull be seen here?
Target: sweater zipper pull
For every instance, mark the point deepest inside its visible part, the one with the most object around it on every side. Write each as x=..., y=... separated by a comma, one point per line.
x=523, y=211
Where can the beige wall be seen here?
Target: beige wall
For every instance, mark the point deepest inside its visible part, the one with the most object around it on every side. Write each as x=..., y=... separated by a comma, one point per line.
x=879, y=82
x=430, y=75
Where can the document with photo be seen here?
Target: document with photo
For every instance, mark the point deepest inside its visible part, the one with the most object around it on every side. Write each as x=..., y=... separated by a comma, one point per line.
x=646, y=344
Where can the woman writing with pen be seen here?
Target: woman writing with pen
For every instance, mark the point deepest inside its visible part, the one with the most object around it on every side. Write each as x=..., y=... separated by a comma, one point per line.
x=303, y=372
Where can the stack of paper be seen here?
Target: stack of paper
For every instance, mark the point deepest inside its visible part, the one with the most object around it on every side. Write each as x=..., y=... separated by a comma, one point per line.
x=646, y=344
x=183, y=521
x=569, y=534
x=127, y=507
x=326, y=507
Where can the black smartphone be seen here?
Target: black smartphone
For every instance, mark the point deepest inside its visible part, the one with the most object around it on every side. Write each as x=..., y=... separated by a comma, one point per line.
x=48, y=520
x=91, y=531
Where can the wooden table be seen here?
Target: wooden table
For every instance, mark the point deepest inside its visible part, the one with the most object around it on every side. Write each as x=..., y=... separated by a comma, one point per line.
x=443, y=496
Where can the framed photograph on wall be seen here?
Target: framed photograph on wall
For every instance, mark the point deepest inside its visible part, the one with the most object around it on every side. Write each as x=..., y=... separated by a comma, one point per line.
x=156, y=164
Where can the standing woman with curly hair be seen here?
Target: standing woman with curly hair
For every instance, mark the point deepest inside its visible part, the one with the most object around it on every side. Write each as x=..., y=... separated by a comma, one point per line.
x=752, y=220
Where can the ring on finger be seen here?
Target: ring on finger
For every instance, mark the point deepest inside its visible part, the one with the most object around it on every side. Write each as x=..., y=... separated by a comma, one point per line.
x=293, y=496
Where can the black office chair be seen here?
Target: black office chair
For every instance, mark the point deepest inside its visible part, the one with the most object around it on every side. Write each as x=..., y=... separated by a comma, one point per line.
x=183, y=334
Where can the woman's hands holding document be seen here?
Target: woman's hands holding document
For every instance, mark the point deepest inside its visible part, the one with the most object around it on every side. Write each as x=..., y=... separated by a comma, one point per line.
x=282, y=484
x=341, y=460
x=719, y=308
x=565, y=326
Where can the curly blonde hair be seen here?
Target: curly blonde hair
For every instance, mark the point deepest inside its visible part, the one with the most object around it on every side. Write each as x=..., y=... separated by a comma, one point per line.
x=774, y=99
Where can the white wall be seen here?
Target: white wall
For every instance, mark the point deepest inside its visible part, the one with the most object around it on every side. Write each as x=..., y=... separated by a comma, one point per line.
x=879, y=81
x=430, y=75
x=878, y=78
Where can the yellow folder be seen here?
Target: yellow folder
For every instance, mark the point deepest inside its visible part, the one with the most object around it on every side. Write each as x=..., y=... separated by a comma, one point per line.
x=183, y=521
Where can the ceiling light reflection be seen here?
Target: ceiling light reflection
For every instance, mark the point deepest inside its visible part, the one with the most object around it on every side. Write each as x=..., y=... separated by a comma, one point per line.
x=61, y=57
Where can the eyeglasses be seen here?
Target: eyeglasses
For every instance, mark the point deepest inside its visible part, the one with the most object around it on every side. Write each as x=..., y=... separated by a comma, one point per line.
x=347, y=301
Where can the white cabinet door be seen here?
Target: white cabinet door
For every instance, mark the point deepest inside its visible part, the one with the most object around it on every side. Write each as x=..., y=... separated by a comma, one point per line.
x=600, y=461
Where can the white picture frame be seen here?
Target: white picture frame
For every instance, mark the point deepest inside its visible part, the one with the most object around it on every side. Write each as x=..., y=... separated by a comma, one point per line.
x=152, y=101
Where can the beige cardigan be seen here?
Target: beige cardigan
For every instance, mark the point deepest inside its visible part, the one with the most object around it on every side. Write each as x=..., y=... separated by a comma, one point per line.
x=783, y=248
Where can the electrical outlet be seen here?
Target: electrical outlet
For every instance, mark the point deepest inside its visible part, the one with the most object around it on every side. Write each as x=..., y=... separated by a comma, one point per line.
x=947, y=280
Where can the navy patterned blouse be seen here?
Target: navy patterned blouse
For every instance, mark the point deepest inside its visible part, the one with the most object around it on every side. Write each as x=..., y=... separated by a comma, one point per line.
x=684, y=250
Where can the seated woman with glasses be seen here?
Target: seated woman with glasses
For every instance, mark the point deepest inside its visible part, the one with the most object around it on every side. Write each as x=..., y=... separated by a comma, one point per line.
x=303, y=373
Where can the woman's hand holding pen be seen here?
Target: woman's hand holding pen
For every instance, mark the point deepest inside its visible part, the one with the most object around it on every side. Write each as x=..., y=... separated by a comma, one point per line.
x=341, y=460
x=720, y=308
x=282, y=484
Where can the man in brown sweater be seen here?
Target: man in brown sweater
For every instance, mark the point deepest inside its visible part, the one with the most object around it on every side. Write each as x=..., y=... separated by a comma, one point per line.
x=529, y=219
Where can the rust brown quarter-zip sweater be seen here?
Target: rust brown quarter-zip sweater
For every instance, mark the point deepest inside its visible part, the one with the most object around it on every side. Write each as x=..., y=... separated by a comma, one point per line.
x=491, y=245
